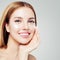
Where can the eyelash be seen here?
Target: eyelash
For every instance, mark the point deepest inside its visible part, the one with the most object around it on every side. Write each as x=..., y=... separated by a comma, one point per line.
x=30, y=21
x=17, y=21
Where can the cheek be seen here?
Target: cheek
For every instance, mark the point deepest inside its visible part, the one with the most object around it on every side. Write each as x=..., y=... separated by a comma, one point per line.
x=14, y=27
x=32, y=30
x=31, y=26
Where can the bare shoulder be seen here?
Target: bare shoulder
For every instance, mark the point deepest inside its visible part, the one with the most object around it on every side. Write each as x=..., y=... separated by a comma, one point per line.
x=2, y=52
x=31, y=57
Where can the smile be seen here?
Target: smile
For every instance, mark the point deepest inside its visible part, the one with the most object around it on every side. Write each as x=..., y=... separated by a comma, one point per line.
x=24, y=34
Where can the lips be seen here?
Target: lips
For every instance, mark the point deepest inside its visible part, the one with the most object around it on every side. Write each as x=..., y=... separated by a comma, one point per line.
x=24, y=34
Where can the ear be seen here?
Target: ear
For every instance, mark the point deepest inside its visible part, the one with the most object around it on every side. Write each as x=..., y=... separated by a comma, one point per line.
x=7, y=27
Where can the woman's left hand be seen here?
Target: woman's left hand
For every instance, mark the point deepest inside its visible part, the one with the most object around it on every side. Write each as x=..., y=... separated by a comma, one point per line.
x=32, y=45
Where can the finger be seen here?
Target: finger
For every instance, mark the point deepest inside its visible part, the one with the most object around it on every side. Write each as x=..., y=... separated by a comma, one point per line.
x=38, y=36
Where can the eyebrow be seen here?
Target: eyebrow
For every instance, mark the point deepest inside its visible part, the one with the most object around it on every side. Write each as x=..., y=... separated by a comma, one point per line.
x=18, y=17
x=31, y=18
x=22, y=18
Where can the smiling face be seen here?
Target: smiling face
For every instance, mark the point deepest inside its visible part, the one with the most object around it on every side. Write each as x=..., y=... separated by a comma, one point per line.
x=21, y=25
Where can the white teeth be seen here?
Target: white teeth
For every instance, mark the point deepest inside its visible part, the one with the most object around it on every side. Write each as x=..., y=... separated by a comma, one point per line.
x=24, y=34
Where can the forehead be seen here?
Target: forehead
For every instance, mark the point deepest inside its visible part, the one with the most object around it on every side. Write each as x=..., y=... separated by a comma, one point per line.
x=23, y=12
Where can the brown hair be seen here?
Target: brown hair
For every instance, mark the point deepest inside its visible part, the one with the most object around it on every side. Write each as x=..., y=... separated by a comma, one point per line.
x=5, y=19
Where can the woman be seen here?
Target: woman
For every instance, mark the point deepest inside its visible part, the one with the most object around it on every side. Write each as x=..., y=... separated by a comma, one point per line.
x=18, y=32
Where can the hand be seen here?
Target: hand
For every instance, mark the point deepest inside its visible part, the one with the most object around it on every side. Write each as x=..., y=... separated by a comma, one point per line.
x=32, y=45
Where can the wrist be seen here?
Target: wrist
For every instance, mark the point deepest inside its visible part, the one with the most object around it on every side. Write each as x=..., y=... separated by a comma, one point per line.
x=23, y=55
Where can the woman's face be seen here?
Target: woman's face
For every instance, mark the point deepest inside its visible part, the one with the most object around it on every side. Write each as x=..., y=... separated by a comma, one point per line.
x=21, y=25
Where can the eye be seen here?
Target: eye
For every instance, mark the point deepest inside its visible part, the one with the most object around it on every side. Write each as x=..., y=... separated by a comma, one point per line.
x=17, y=21
x=31, y=21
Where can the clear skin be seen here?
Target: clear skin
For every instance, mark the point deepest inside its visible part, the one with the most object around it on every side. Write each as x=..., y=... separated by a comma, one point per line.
x=21, y=20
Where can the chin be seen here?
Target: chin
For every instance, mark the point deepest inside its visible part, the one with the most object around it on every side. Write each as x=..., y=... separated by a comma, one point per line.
x=25, y=42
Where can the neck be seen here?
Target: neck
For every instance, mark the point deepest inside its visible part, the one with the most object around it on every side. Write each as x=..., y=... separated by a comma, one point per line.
x=12, y=46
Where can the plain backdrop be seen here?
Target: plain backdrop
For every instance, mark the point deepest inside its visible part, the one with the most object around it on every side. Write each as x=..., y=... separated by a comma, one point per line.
x=48, y=16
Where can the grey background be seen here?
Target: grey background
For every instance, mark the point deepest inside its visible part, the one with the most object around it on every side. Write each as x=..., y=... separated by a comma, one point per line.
x=48, y=16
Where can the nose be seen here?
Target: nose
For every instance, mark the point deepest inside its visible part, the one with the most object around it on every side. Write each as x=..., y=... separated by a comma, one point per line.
x=25, y=26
